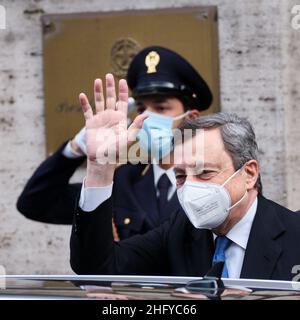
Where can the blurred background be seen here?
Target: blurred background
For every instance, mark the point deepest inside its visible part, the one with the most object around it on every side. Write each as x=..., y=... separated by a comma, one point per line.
x=252, y=67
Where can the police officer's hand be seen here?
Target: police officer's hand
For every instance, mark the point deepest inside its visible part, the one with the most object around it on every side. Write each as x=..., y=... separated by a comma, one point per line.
x=106, y=130
x=78, y=144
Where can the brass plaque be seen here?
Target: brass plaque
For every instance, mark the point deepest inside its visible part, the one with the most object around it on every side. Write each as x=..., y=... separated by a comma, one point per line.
x=81, y=47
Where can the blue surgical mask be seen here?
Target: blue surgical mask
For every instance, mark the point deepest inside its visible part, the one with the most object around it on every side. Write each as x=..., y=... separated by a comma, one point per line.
x=156, y=135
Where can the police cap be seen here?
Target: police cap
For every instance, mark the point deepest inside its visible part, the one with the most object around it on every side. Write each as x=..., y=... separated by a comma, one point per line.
x=160, y=71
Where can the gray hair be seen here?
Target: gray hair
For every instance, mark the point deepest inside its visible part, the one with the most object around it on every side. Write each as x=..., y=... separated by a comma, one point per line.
x=237, y=134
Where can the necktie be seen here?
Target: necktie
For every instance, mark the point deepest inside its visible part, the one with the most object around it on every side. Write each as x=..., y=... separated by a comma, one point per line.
x=163, y=186
x=222, y=243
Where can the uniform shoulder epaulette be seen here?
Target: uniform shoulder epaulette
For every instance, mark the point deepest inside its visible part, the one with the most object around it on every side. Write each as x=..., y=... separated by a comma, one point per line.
x=145, y=170
x=119, y=165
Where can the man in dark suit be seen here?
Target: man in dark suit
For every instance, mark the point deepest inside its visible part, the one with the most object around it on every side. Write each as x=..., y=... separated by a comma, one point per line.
x=220, y=193
x=163, y=83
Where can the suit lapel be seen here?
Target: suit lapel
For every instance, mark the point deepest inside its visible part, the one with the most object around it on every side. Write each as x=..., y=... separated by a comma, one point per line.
x=199, y=250
x=264, y=244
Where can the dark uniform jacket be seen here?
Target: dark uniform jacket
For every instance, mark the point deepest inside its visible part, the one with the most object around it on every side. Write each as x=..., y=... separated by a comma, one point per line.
x=176, y=248
x=49, y=197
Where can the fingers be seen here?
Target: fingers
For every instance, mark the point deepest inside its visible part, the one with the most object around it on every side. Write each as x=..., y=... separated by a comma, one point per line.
x=137, y=124
x=98, y=94
x=110, y=92
x=110, y=97
x=123, y=96
x=85, y=105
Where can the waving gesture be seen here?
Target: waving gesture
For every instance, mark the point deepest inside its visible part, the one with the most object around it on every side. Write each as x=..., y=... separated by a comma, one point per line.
x=106, y=130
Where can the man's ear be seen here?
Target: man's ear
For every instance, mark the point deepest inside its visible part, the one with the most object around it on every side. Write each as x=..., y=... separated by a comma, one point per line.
x=252, y=172
x=194, y=113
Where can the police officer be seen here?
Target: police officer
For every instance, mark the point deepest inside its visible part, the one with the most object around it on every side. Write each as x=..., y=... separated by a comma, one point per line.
x=169, y=89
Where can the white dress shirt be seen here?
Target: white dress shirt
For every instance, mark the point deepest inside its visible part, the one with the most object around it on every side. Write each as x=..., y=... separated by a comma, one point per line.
x=239, y=235
x=91, y=198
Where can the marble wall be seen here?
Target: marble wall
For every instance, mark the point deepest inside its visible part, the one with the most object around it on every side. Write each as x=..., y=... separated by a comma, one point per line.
x=259, y=79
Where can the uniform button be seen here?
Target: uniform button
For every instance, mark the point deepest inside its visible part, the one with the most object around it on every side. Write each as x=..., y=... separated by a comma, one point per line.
x=126, y=221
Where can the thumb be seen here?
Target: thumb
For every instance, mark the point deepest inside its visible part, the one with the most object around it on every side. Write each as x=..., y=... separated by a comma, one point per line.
x=135, y=127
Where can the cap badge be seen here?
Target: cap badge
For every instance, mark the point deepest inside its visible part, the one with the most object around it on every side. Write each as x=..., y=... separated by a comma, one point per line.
x=151, y=61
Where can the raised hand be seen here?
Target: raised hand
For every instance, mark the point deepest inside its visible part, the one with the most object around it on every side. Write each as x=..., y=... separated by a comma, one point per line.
x=106, y=130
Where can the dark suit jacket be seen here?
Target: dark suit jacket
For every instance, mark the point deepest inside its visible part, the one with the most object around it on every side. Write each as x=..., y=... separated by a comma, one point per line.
x=177, y=248
x=49, y=197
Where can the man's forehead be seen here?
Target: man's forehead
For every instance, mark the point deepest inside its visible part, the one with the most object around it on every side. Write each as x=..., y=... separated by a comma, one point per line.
x=196, y=168
x=204, y=150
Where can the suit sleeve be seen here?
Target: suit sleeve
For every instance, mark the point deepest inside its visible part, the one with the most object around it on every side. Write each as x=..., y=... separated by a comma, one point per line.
x=93, y=250
x=48, y=196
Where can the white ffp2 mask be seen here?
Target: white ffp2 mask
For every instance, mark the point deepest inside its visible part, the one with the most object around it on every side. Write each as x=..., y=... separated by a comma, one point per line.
x=207, y=205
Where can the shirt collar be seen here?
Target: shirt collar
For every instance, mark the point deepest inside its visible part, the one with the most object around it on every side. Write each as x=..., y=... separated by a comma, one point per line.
x=158, y=172
x=240, y=232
